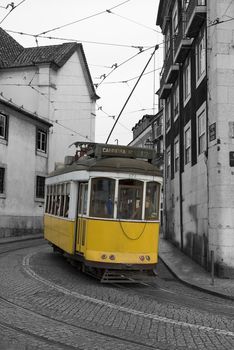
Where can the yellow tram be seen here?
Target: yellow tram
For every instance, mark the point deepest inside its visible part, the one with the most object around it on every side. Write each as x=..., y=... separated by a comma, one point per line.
x=103, y=210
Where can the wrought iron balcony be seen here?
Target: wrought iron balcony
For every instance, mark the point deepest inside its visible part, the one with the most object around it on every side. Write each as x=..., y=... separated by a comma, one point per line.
x=165, y=88
x=171, y=69
x=195, y=16
x=182, y=42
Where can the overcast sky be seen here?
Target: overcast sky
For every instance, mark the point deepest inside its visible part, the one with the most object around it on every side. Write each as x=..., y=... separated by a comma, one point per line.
x=112, y=32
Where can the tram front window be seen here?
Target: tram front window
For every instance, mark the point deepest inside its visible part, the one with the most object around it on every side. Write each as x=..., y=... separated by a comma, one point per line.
x=130, y=199
x=152, y=201
x=102, y=198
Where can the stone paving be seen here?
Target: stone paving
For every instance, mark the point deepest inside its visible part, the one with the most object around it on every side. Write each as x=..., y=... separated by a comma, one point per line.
x=62, y=308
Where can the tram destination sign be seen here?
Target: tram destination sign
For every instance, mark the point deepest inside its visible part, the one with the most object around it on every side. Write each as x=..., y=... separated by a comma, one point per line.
x=105, y=150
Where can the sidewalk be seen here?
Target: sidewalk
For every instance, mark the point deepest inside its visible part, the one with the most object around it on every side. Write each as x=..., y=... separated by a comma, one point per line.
x=189, y=272
x=20, y=238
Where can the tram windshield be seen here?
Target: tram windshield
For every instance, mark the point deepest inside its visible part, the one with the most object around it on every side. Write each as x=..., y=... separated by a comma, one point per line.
x=130, y=199
x=102, y=197
x=152, y=201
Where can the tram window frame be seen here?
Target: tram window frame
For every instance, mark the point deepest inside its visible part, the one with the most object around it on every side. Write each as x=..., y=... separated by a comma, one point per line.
x=130, y=207
x=83, y=199
x=58, y=199
x=102, y=202
x=152, y=201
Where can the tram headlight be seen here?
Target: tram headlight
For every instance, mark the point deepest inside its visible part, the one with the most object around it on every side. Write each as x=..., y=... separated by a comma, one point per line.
x=112, y=257
x=104, y=256
x=147, y=257
x=142, y=258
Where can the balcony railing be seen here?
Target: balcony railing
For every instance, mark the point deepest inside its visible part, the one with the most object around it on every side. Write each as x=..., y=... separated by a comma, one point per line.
x=159, y=131
x=182, y=42
x=171, y=69
x=165, y=89
x=195, y=16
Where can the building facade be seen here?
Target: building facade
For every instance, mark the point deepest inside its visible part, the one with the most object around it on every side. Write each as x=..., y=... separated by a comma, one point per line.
x=40, y=87
x=196, y=85
x=53, y=81
x=23, y=167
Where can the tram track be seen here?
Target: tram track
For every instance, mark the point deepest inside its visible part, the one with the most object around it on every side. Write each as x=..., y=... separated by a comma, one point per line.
x=107, y=333
x=203, y=301
x=35, y=327
x=9, y=247
x=56, y=324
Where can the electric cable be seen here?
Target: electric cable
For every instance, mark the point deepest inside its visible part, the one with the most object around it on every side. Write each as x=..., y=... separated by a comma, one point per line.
x=75, y=40
x=82, y=19
x=13, y=7
x=121, y=64
x=156, y=48
x=130, y=20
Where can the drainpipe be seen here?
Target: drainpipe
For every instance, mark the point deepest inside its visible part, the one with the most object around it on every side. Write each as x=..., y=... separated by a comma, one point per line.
x=180, y=172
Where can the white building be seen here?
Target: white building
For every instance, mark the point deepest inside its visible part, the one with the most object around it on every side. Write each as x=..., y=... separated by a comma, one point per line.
x=23, y=167
x=52, y=84
x=53, y=81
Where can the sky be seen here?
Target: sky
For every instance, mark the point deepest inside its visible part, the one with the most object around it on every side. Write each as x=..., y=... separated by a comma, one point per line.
x=118, y=37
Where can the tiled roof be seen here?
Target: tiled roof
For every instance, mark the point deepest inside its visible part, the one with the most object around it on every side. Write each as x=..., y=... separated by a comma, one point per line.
x=13, y=55
x=57, y=54
x=9, y=49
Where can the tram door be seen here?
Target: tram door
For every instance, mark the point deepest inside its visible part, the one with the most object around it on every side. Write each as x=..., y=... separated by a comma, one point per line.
x=82, y=219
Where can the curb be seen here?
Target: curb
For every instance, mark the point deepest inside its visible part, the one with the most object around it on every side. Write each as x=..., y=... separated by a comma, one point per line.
x=197, y=287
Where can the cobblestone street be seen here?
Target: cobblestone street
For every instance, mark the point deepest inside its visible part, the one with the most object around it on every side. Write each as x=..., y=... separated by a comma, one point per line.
x=48, y=304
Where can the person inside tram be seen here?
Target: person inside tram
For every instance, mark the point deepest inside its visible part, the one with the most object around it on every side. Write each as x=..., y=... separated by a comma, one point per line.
x=109, y=207
x=136, y=215
x=150, y=211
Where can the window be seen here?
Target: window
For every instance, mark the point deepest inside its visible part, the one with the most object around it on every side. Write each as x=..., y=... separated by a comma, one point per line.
x=2, y=180
x=176, y=101
x=168, y=163
x=3, y=126
x=201, y=57
x=187, y=81
x=130, y=199
x=102, y=197
x=201, y=132
x=185, y=4
x=168, y=113
x=40, y=187
x=176, y=155
x=175, y=19
x=57, y=199
x=152, y=201
x=167, y=43
x=187, y=144
x=41, y=140
x=83, y=199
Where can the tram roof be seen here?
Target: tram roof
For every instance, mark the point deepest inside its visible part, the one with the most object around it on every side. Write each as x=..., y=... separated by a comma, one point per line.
x=110, y=164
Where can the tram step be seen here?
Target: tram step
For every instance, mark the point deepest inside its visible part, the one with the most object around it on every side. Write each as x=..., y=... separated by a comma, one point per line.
x=116, y=276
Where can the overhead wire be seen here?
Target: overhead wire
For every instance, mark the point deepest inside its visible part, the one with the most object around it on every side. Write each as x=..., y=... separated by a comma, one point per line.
x=13, y=7
x=82, y=19
x=130, y=20
x=126, y=81
x=156, y=48
x=224, y=14
x=75, y=40
x=122, y=63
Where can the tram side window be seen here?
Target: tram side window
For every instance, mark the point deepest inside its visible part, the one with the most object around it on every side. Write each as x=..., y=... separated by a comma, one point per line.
x=102, y=198
x=130, y=199
x=152, y=201
x=57, y=199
